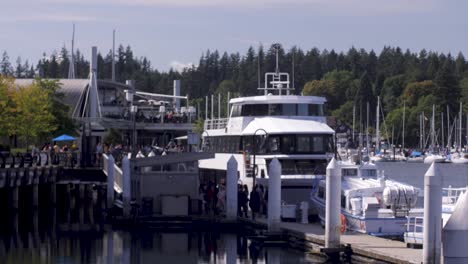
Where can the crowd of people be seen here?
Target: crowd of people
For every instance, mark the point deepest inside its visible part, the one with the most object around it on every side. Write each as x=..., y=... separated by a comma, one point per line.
x=213, y=199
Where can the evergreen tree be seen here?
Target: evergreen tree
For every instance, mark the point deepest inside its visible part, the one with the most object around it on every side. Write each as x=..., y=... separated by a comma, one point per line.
x=447, y=89
x=5, y=65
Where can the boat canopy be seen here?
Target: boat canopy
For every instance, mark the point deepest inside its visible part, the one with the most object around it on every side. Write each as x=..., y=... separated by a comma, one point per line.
x=416, y=154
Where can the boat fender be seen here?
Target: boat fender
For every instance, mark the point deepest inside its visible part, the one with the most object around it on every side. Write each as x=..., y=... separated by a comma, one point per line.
x=343, y=224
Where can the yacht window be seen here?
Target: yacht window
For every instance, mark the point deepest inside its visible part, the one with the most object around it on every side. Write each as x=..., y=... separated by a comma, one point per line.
x=315, y=110
x=287, y=144
x=343, y=201
x=303, y=144
x=302, y=110
x=289, y=110
x=274, y=109
x=273, y=144
x=317, y=144
x=369, y=173
x=349, y=172
x=236, y=110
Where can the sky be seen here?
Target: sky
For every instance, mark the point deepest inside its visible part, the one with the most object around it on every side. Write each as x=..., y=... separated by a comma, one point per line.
x=174, y=33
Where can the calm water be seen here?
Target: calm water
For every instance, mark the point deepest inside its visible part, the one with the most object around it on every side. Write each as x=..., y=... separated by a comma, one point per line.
x=455, y=175
x=78, y=236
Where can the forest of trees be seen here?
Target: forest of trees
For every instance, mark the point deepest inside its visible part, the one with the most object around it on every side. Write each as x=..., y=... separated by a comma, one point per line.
x=348, y=80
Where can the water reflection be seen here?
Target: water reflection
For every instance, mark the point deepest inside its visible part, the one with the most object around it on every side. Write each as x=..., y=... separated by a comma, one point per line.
x=75, y=233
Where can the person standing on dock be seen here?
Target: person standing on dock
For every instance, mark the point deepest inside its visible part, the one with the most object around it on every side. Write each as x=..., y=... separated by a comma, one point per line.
x=254, y=201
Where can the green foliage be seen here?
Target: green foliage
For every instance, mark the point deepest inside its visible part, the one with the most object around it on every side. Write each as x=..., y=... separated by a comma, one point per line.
x=113, y=137
x=344, y=113
x=63, y=123
x=415, y=90
x=391, y=91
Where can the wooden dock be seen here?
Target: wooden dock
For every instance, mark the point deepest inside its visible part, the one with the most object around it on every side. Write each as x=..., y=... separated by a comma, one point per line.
x=312, y=236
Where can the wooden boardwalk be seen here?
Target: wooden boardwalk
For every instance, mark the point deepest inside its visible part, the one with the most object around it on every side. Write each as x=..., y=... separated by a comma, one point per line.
x=361, y=244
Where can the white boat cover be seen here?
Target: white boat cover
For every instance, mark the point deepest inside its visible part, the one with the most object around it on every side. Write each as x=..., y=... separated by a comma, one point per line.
x=276, y=125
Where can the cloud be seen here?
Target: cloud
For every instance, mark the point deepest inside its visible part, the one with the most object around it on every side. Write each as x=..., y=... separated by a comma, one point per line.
x=329, y=6
x=44, y=17
x=180, y=66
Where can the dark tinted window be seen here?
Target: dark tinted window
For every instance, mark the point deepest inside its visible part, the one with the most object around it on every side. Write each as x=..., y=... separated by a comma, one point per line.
x=289, y=109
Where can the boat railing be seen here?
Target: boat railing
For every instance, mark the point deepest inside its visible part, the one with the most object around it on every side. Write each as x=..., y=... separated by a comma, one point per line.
x=450, y=195
x=414, y=224
x=219, y=123
x=118, y=174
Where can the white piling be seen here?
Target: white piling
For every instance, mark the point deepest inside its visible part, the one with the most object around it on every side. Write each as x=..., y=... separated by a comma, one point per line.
x=126, y=196
x=455, y=238
x=332, y=205
x=432, y=215
x=274, y=195
x=110, y=181
x=231, y=189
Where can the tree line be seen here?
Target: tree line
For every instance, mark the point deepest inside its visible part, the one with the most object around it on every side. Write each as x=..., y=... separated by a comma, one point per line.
x=32, y=113
x=349, y=80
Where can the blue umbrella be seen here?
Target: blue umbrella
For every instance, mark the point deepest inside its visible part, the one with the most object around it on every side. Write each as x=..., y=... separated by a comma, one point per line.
x=64, y=137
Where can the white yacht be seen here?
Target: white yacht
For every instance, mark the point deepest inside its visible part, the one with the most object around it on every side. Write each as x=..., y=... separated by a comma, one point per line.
x=370, y=203
x=277, y=124
x=414, y=232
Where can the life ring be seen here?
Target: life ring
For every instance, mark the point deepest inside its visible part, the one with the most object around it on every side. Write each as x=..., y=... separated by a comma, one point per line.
x=343, y=224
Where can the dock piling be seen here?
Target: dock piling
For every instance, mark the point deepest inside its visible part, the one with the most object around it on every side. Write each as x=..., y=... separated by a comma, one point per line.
x=332, y=205
x=432, y=215
x=274, y=195
x=231, y=189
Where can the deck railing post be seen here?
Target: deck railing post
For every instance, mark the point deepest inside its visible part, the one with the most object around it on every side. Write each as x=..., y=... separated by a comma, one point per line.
x=126, y=186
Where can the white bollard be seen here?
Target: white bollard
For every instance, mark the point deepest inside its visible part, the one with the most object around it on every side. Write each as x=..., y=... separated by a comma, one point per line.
x=110, y=181
x=455, y=238
x=126, y=196
x=231, y=189
x=332, y=205
x=274, y=195
x=432, y=215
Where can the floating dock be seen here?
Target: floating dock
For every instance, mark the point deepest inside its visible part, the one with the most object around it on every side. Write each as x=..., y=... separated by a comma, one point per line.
x=311, y=237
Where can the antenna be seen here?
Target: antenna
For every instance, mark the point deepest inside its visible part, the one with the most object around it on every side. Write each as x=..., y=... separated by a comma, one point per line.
x=277, y=47
x=113, y=55
x=293, y=55
x=258, y=69
x=71, y=68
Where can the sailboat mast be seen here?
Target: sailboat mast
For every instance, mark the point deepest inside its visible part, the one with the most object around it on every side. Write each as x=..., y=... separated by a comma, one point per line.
x=71, y=69
x=448, y=128
x=442, y=122
x=354, y=119
x=433, y=128
x=377, y=125
x=460, y=127
x=113, y=55
x=403, y=135
x=367, y=129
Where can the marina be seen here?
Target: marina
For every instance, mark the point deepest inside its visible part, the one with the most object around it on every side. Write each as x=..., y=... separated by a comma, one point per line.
x=278, y=155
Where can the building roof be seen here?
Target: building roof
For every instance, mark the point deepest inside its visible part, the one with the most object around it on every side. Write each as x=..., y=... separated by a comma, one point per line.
x=71, y=88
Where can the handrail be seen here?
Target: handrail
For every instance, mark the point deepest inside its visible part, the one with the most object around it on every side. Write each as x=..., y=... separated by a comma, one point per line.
x=118, y=174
